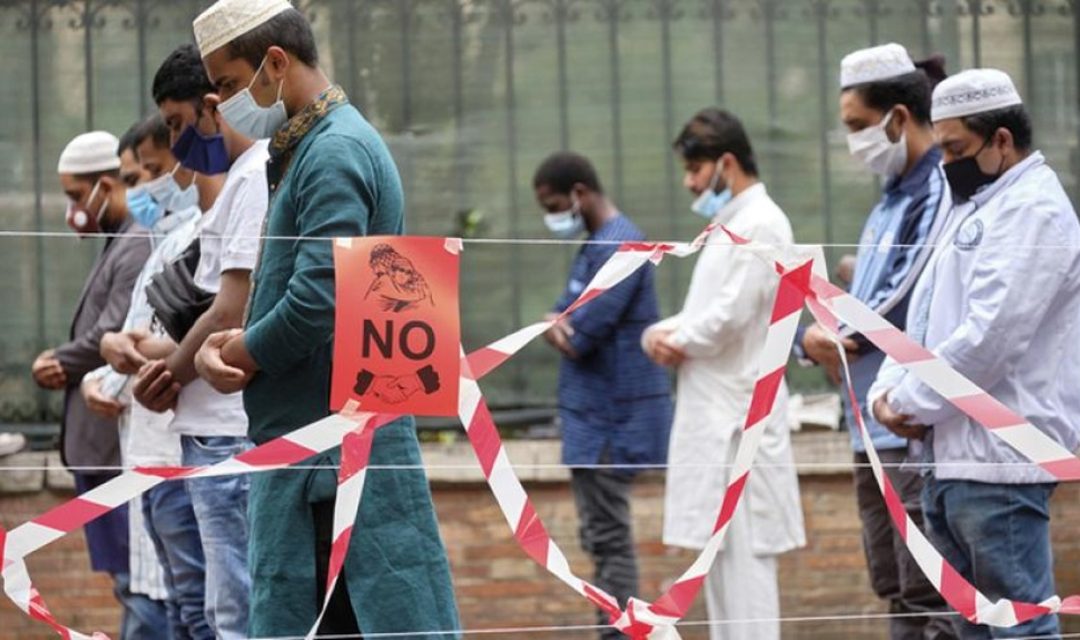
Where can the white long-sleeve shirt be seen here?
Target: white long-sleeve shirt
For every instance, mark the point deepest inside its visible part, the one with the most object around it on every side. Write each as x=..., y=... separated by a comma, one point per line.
x=1003, y=296
x=722, y=329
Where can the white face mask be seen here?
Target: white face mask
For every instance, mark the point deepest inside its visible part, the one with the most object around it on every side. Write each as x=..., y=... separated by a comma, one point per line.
x=247, y=118
x=565, y=224
x=872, y=147
x=168, y=193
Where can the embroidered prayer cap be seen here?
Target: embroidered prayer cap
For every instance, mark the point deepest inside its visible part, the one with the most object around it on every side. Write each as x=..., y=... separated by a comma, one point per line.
x=227, y=20
x=91, y=152
x=875, y=64
x=973, y=91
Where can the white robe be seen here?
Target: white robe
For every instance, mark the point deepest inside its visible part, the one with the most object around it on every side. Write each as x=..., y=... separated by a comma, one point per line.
x=722, y=329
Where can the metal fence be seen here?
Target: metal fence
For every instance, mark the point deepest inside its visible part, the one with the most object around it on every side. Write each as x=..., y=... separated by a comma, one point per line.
x=472, y=94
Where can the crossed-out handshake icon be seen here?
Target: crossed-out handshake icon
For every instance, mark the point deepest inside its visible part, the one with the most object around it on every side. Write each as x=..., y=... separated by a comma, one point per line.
x=397, y=389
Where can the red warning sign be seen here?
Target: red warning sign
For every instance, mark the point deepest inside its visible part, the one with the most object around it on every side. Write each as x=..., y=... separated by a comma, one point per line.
x=398, y=331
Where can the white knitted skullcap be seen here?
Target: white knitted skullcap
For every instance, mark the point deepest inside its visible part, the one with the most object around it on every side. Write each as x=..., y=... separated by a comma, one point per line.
x=875, y=64
x=973, y=91
x=227, y=20
x=90, y=153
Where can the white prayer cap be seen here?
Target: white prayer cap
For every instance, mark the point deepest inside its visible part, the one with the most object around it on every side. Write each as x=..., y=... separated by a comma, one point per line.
x=227, y=20
x=973, y=91
x=875, y=64
x=90, y=153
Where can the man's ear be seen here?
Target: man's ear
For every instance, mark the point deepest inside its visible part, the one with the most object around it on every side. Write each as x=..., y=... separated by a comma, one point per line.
x=109, y=186
x=901, y=116
x=1003, y=138
x=277, y=65
x=211, y=102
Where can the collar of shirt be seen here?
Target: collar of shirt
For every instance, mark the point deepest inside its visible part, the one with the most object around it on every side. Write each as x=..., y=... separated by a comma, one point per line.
x=1009, y=178
x=738, y=203
x=120, y=230
x=610, y=230
x=915, y=180
x=296, y=129
x=606, y=229
x=173, y=220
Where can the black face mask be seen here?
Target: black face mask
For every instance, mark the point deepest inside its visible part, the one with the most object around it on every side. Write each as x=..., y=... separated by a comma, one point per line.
x=966, y=178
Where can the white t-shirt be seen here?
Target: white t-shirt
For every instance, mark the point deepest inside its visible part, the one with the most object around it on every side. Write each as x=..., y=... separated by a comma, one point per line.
x=229, y=241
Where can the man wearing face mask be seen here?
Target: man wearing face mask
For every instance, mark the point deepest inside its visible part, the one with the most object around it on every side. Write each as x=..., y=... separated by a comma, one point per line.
x=331, y=175
x=166, y=512
x=89, y=169
x=714, y=344
x=885, y=105
x=212, y=425
x=614, y=405
x=999, y=302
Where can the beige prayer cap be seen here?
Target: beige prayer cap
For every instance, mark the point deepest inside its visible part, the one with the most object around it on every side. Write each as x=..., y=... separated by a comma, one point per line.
x=973, y=91
x=227, y=20
x=92, y=152
x=874, y=65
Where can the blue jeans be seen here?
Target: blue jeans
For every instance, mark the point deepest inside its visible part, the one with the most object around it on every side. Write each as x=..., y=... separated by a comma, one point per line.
x=170, y=521
x=143, y=618
x=998, y=537
x=220, y=506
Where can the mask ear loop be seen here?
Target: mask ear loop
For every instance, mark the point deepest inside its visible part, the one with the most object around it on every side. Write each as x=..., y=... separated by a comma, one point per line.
x=258, y=71
x=104, y=205
x=885, y=122
x=985, y=144
x=1001, y=165
x=715, y=180
x=281, y=84
x=194, y=176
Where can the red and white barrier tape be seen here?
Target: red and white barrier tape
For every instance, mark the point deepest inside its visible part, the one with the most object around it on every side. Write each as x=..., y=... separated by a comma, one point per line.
x=830, y=306
x=961, y=595
x=355, y=431
x=65, y=518
x=639, y=619
x=355, y=455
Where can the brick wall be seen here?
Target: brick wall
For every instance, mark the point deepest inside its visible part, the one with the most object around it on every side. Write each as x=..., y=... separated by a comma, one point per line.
x=499, y=587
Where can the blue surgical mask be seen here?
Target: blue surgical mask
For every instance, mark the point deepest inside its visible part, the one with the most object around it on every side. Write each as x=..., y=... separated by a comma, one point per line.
x=204, y=154
x=247, y=118
x=168, y=193
x=709, y=203
x=565, y=224
x=143, y=208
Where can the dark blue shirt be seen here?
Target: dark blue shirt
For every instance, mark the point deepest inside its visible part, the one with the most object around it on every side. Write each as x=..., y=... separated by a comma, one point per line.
x=614, y=403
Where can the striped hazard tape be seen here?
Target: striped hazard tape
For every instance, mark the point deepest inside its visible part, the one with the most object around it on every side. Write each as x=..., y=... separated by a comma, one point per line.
x=801, y=282
x=832, y=306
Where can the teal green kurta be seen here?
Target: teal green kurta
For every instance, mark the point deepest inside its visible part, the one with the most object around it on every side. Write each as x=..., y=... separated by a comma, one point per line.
x=341, y=181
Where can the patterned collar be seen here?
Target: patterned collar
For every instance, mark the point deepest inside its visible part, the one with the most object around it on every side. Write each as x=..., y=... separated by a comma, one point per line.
x=288, y=137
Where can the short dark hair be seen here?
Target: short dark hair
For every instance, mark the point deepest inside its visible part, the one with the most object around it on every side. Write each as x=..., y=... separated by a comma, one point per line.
x=154, y=129
x=289, y=30
x=561, y=171
x=1014, y=118
x=182, y=77
x=913, y=90
x=711, y=133
x=128, y=141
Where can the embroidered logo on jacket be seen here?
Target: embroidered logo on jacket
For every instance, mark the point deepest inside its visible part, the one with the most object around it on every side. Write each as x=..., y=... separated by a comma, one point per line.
x=969, y=235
